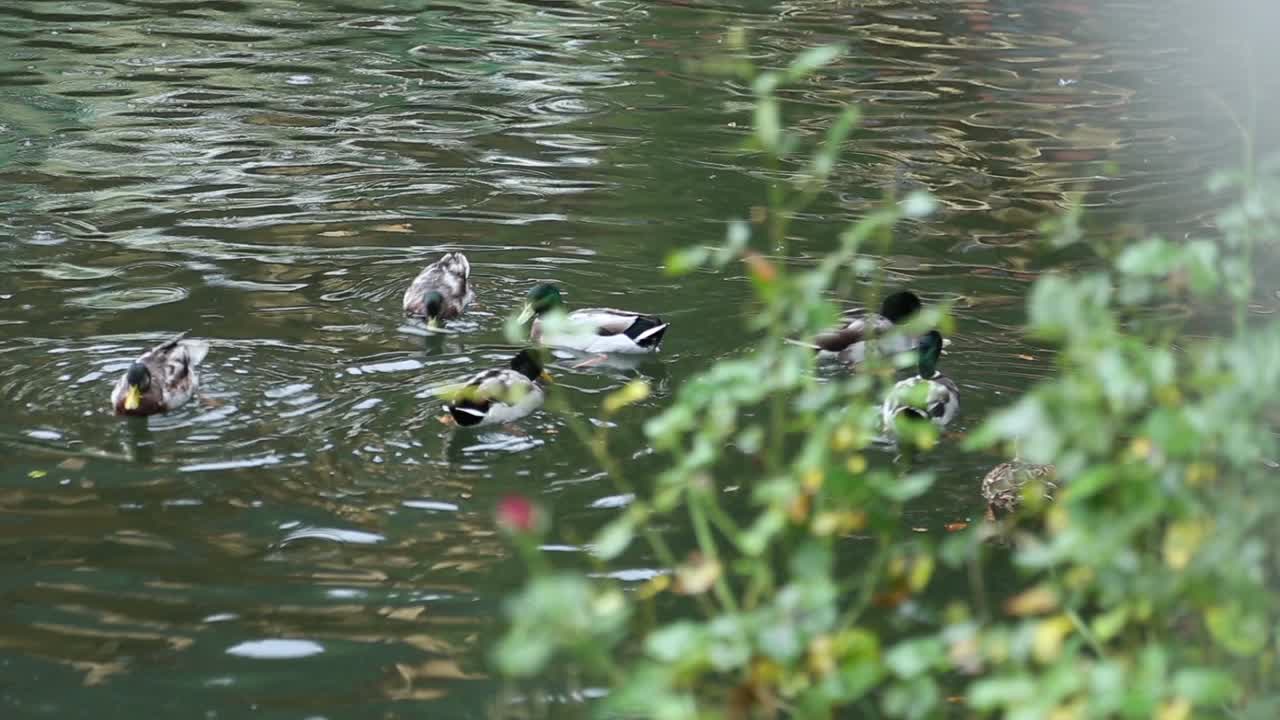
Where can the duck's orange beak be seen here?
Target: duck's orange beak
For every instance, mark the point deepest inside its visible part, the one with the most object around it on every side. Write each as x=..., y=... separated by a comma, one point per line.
x=133, y=398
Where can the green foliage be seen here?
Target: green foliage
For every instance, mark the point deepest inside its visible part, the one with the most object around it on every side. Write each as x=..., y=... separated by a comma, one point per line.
x=1146, y=587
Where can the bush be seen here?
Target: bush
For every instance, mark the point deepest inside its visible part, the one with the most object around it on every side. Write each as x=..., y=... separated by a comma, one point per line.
x=1145, y=590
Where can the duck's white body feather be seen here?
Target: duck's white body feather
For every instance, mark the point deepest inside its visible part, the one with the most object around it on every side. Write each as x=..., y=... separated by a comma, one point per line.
x=941, y=401
x=495, y=396
x=604, y=330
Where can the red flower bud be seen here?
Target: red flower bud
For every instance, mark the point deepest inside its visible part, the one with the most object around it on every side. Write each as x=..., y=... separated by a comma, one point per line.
x=518, y=515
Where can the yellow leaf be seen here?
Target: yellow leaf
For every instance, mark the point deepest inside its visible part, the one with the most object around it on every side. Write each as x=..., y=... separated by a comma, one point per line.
x=1071, y=711
x=1176, y=709
x=843, y=522
x=1036, y=601
x=632, y=392
x=697, y=575
x=655, y=585
x=856, y=464
x=1199, y=473
x=843, y=438
x=812, y=480
x=1181, y=541
x=822, y=660
x=798, y=508
x=921, y=571
x=1046, y=644
x=1056, y=520
x=1079, y=577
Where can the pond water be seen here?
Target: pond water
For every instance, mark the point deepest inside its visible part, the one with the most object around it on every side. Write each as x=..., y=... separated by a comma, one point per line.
x=305, y=539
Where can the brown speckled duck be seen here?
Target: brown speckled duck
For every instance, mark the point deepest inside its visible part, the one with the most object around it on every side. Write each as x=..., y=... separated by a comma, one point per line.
x=161, y=379
x=1002, y=486
x=441, y=292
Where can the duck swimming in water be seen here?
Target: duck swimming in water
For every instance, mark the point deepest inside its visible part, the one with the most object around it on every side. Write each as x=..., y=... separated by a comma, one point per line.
x=928, y=395
x=161, y=379
x=592, y=330
x=441, y=292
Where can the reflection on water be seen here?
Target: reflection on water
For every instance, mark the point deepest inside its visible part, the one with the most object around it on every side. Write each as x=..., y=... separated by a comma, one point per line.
x=306, y=538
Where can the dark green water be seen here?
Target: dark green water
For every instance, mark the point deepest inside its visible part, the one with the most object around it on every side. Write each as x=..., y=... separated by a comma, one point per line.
x=270, y=174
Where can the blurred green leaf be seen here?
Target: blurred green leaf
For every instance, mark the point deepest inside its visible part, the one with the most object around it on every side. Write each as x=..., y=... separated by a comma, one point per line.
x=1205, y=686
x=811, y=60
x=682, y=262
x=614, y=538
x=1238, y=631
x=768, y=125
x=910, y=658
x=676, y=642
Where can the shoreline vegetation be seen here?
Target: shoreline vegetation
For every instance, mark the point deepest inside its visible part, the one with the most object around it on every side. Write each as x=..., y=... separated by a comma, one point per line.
x=1143, y=589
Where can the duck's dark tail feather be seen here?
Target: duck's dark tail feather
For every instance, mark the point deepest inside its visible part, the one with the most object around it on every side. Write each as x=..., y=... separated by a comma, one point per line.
x=647, y=332
x=468, y=412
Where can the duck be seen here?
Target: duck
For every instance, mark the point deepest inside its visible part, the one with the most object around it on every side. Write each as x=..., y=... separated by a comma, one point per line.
x=938, y=402
x=161, y=379
x=500, y=395
x=441, y=292
x=851, y=343
x=1002, y=486
x=592, y=330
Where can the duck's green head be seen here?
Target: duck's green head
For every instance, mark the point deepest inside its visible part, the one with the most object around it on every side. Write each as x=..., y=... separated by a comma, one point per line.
x=434, y=303
x=900, y=306
x=930, y=349
x=528, y=362
x=139, y=379
x=542, y=298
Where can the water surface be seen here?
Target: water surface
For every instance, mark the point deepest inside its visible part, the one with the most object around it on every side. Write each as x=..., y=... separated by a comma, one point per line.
x=305, y=539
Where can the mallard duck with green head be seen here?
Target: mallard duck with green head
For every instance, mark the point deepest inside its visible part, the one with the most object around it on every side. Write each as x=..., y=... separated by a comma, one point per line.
x=851, y=343
x=441, y=292
x=591, y=330
x=500, y=395
x=928, y=395
x=161, y=379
